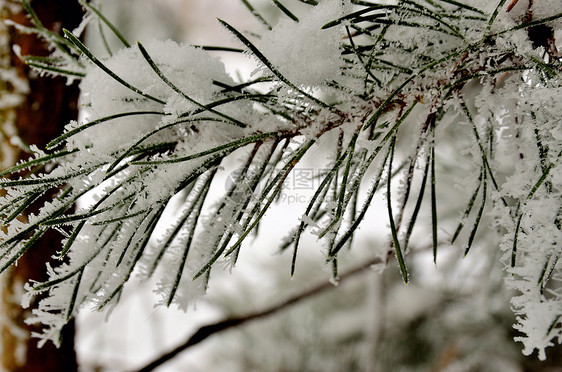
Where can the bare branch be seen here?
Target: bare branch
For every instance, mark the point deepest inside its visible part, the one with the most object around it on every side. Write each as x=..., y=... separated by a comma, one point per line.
x=206, y=331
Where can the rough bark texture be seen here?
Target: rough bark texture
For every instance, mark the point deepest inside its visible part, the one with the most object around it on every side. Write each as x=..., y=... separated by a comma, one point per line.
x=41, y=113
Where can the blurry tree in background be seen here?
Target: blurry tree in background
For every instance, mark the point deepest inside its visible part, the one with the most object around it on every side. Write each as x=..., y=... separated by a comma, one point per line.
x=442, y=116
x=33, y=111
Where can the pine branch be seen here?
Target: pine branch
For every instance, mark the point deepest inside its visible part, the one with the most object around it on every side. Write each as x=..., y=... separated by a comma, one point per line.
x=165, y=117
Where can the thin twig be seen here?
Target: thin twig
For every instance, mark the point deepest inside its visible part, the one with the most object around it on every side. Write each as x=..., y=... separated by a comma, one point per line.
x=206, y=331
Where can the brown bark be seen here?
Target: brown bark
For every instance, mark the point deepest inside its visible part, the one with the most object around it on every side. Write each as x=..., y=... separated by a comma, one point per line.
x=45, y=109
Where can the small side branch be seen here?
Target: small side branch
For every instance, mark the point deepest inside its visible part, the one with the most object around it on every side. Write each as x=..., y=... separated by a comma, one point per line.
x=206, y=331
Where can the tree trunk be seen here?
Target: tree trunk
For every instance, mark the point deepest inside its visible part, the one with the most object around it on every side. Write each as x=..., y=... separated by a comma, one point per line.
x=35, y=110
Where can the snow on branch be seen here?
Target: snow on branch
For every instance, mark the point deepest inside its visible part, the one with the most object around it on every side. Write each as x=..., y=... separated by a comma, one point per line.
x=412, y=90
